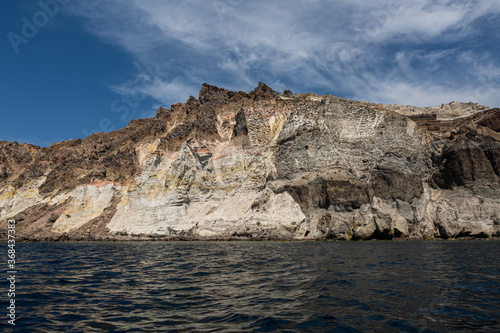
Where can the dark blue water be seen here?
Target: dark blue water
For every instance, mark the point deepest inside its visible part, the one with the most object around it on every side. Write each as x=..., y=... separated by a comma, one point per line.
x=257, y=287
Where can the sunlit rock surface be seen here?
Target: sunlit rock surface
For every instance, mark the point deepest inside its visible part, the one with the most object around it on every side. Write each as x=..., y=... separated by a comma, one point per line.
x=264, y=165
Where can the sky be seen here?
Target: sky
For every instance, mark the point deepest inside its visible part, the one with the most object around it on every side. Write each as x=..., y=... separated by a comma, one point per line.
x=69, y=68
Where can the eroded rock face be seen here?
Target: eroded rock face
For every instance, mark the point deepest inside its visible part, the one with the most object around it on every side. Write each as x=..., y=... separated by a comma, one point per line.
x=263, y=165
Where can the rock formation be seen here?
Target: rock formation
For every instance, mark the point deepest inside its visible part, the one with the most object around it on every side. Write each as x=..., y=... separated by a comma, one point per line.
x=264, y=165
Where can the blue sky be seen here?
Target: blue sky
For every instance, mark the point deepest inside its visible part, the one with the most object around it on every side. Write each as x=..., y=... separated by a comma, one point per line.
x=70, y=67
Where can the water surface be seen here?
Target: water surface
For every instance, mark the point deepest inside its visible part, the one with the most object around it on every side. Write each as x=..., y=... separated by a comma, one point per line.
x=431, y=286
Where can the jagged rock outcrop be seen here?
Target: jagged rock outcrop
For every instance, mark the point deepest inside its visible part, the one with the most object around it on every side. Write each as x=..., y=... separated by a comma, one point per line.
x=264, y=165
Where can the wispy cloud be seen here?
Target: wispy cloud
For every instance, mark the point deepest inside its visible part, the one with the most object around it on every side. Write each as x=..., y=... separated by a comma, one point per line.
x=420, y=52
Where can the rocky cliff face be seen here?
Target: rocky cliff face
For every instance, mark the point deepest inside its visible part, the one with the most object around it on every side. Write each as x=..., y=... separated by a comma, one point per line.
x=264, y=165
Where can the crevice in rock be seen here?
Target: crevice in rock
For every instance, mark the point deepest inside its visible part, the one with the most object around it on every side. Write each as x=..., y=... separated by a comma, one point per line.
x=240, y=128
x=493, y=156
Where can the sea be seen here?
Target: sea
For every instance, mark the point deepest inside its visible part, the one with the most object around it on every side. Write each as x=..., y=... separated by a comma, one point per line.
x=322, y=286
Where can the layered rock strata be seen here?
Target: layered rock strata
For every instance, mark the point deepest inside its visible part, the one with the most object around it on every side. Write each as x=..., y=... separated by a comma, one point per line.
x=264, y=165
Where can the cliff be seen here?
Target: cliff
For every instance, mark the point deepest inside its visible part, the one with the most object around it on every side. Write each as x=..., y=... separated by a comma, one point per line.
x=264, y=165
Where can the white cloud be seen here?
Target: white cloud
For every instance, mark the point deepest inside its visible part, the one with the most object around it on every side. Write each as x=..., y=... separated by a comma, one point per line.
x=418, y=94
x=315, y=45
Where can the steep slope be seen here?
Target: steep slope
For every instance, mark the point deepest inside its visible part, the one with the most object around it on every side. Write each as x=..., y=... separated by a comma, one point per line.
x=263, y=165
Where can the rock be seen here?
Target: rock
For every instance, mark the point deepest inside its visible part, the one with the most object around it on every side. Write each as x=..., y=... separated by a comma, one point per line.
x=262, y=165
x=364, y=226
x=341, y=226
